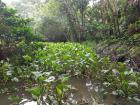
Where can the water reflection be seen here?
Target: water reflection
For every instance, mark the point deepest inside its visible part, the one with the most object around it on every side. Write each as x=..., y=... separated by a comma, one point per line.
x=83, y=92
x=27, y=102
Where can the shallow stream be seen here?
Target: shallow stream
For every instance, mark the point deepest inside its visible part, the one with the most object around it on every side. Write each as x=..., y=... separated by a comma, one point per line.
x=84, y=92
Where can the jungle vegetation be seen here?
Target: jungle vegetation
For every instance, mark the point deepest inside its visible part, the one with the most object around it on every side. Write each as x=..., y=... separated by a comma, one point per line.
x=45, y=43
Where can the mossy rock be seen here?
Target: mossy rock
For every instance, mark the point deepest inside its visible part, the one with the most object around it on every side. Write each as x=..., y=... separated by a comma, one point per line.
x=135, y=51
x=135, y=55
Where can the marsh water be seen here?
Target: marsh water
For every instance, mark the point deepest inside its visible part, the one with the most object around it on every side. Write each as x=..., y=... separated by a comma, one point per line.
x=83, y=92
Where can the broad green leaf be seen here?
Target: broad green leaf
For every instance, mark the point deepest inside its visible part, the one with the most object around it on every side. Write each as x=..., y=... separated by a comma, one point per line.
x=59, y=92
x=35, y=91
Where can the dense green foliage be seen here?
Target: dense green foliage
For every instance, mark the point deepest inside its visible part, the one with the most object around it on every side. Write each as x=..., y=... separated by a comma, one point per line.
x=45, y=61
x=110, y=27
x=13, y=27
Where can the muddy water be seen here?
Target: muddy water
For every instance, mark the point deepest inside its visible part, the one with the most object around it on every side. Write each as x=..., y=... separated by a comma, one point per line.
x=4, y=100
x=89, y=93
x=84, y=92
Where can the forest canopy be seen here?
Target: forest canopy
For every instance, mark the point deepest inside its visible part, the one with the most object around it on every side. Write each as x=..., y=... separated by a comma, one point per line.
x=81, y=19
